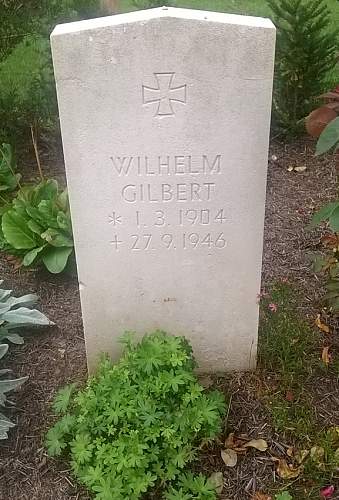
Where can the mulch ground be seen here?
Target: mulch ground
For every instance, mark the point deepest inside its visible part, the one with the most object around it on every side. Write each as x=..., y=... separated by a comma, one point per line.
x=57, y=356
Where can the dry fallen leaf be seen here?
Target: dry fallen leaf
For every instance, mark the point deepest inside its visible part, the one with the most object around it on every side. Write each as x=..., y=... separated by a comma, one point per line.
x=229, y=457
x=300, y=169
x=286, y=471
x=325, y=356
x=261, y=496
x=321, y=325
x=230, y=442
x=259, y=444
x=290, y=451
x=217, y=480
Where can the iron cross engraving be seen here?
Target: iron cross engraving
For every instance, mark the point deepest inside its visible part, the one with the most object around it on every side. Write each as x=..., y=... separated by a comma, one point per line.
x=164, y=94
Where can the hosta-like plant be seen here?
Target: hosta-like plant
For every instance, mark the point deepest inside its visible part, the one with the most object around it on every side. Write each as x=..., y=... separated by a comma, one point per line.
x=6, y=385
x=16, y=313
x=137, y=424
x=36, y=226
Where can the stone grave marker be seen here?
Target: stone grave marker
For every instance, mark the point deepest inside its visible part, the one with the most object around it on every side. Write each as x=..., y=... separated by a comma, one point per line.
x=165, y=118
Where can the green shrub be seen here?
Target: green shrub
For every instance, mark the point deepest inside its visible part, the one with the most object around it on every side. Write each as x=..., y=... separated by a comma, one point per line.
x=138, y=423
x=36, y=226
x=306, y=53
x=38, y=17
x=27, y=90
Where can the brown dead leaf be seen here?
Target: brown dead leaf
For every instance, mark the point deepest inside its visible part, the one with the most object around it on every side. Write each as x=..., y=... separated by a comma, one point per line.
x=302, y=168
x=321, y=325
x=326, y=356
x=230, y=458
x=261, y=496
x=258, y=444
x=230, y=442
x=286, y=471
x=290, y=451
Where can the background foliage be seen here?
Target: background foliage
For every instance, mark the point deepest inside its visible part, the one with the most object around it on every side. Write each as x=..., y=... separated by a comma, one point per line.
x=306, y=53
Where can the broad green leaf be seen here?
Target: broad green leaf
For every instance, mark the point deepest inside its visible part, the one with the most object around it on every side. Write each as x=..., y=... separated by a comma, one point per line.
x=25, y=300
x=48, y=212
x=12, y=337
x=55, y=259
x=64, y=221
x=334, y=220
x=23, y=315
x=4, y=294
x=328, y=138
x=16, y=231
x=324, y=213
x=10, y=385
x=35, y=227
x=5, y=425
x=46, y=190
x=63, y=200
x=57, y=239
x=32, y=255
x=3, y=350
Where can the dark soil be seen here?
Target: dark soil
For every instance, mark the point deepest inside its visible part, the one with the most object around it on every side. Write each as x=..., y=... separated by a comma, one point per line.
x=54, y=357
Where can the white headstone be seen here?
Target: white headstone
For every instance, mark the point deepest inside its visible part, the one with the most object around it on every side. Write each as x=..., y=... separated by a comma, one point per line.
x=165, y=120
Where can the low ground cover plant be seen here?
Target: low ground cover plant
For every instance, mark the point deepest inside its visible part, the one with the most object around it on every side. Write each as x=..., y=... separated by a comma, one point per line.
x=137, y=424
x=36, y=226
x=16, y=313
x=289, y=354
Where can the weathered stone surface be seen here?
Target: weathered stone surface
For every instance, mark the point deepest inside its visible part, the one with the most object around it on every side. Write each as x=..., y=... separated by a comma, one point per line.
x=165, y=122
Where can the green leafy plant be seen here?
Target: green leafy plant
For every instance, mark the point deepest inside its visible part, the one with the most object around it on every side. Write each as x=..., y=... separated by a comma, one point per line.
x=37, y=226
x=138, y=423
x=329, y=214
x=9, y=180
x=283, y=496
x=190, y=486
x=6, y=385
x=329, y=138
x=306, y=53
x=16, y=313
x=38, y=17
